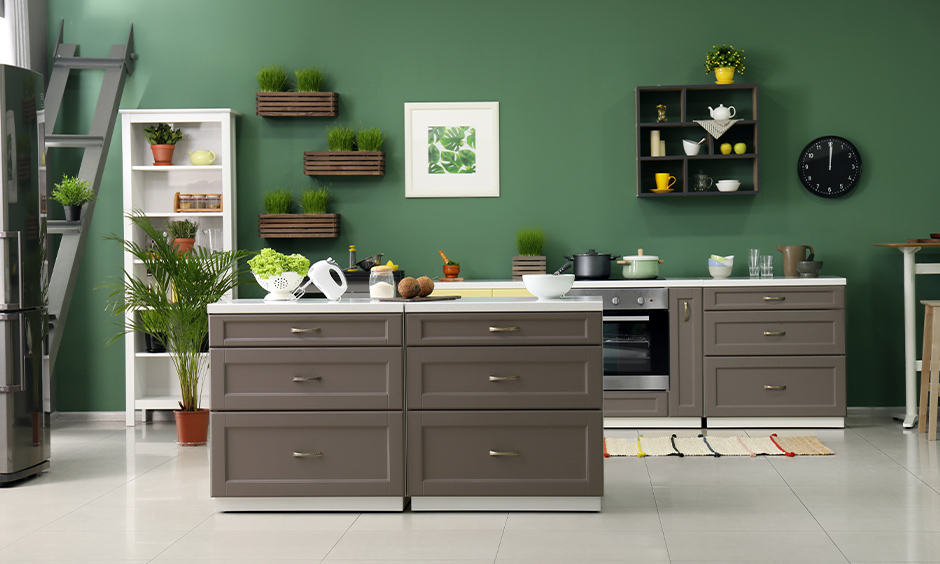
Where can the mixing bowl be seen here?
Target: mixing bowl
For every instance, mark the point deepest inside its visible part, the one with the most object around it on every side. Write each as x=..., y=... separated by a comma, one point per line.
x=548, y=286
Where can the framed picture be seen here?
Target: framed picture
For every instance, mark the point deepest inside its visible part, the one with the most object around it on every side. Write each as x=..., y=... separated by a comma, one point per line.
x=452, y=150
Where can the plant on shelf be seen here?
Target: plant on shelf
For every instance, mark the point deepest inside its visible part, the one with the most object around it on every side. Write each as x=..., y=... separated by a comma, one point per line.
x=370, y=139
x=724, y=61
x=277, y=201
x=155, y=336
x=530, y=260
x=272, y=79
x=340, y=138
x=183, y=234
x=314, y=200
x=73, y=193
x=178, y=292
x=163, y=140
x=309, y=79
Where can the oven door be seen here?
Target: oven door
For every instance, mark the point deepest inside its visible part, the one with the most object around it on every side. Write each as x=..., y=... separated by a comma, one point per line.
x=636, y=350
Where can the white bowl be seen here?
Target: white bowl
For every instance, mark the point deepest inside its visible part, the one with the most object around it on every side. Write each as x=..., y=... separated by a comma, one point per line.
x=282, y=286
x=548, y=286
x=719, y=271
x=691, y=147
x=728, y=185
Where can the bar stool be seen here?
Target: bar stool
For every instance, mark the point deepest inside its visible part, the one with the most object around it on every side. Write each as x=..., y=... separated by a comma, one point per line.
x=930, y=371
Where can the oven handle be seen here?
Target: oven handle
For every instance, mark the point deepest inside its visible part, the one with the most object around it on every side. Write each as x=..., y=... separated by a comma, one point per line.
x=625, y=318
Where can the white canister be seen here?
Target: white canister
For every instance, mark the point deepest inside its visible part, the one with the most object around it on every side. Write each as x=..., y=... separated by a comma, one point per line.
x=381, y=282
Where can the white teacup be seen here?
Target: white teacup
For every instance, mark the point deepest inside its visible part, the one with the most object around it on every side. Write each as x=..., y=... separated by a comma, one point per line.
x=691, y=147
x=727, y=185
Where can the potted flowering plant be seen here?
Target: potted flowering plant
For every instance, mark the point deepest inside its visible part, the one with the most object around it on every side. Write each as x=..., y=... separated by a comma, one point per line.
x=724, y=61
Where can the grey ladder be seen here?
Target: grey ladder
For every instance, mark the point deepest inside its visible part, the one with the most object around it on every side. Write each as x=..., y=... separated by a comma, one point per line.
x=117, y=67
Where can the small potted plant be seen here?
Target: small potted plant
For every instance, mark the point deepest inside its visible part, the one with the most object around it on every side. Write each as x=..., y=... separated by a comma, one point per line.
x=154, y=330
x=350, y=153
x=277, y=201
x=724, y=61
x=183, y=234
x=530, y=260
x=273, y=99
x=163, y=140
x=73, y=193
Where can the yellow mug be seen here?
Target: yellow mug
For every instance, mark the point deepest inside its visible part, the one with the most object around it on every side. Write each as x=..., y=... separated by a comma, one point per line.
x=664, y=180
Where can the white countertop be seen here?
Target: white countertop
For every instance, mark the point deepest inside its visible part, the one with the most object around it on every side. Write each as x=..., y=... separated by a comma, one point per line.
x=655, y=283
x=363, y=305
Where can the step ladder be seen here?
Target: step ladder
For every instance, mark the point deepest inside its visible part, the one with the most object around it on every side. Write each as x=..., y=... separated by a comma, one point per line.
x=117, y=66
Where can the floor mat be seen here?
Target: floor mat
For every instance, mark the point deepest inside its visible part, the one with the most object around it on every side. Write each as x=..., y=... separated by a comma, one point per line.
x=671, y=445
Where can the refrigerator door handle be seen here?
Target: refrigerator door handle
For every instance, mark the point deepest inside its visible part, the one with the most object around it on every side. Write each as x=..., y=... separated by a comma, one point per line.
x=9, y=334
x=8, y=275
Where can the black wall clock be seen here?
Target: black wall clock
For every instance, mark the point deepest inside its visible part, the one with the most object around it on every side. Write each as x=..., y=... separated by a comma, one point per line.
x=830, y=166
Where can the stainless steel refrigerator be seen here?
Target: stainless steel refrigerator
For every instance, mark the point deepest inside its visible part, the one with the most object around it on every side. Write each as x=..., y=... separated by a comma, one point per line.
x=24, y=425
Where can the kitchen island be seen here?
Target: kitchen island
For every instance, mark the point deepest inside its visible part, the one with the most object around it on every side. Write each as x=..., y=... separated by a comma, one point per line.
x=469, y=404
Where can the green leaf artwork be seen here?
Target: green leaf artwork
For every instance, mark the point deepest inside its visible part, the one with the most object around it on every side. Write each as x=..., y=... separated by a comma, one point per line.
x=452, y=150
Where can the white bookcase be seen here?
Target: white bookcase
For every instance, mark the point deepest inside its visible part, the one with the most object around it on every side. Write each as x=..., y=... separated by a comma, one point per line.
x=150, y=379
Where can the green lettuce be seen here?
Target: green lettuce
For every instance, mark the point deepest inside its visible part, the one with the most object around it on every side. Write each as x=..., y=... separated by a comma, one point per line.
x=270, y=263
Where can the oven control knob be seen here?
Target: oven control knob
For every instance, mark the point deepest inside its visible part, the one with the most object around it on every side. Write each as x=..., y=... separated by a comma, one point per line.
x=640, y=300
x=615, y=300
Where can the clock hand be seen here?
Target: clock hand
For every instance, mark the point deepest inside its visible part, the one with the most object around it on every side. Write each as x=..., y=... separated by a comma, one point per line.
x=830, y=155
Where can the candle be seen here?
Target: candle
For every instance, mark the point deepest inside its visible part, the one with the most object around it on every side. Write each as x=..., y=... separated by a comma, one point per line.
x=662, y=148
x=654, y=143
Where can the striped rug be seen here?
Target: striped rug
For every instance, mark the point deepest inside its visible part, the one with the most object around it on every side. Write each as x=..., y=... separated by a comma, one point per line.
x=671, y=445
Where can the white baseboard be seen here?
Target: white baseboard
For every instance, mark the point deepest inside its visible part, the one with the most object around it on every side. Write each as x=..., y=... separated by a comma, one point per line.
x=91, y=416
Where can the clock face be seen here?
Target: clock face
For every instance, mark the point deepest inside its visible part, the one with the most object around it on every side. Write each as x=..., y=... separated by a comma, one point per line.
x=829, y=167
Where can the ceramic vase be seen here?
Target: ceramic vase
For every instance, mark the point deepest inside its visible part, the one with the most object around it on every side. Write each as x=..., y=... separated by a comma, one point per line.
x=724, y=75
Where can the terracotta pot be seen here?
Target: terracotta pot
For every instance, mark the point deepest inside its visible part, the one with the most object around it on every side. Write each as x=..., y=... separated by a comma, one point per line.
x=184, y=245
x=162, y=154
x=192, y=427
x=451, y=270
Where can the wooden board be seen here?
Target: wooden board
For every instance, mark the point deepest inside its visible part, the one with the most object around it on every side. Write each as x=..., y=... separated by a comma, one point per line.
x=424, y=299
x=298, y=225
x=296, y=104
x=344, y=163
x=443, y=279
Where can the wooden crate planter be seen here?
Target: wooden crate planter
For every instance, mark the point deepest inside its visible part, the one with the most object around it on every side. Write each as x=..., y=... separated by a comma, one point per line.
x=527, y=265
x=298, y=225
x=344, y=163
x=300, y=104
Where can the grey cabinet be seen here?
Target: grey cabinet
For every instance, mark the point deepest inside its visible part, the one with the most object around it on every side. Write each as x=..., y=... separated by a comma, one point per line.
x=774, y=352
x=503, y=329
x=685, y=352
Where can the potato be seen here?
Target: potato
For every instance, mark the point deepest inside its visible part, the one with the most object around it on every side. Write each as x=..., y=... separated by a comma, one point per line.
x=408, y=287
x=427, y=286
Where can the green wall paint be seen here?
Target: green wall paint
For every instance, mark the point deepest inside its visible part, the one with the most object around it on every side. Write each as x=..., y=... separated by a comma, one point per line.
x=564, y=74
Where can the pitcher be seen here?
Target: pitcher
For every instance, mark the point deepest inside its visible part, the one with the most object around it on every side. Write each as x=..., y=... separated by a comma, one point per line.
x=793, y=254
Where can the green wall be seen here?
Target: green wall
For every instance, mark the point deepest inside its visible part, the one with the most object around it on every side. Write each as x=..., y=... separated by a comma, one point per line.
x=564, y=74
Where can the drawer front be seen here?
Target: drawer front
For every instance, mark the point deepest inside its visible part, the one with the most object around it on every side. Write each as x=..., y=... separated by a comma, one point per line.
x=306, y=378
x=636, y=404
x=534, y=453
x=305, y=330
x=337, y=454
x=775, y=332
x=772, y=297
x=504, y=377
x=548, y=328
x=796, y=386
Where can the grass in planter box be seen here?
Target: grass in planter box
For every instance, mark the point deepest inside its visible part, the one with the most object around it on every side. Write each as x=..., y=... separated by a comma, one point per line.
x=277, y=201
x=314, y=201
x=272, y=79
x=370, y=139
x=340, y=138
x=309, y=79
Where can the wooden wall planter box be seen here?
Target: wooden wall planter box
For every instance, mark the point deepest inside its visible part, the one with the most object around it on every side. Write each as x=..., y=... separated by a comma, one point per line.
x=285, y=104
x=298, y=225
x=344, y=163
x=527, y=265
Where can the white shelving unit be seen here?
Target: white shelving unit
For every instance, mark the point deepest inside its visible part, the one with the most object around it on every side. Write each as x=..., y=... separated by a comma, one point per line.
x=150, y=380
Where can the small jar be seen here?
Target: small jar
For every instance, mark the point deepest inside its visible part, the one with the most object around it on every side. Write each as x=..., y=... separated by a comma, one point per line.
x=381, y=282
x=199, y=201
x=186, y=202
x=213, y=201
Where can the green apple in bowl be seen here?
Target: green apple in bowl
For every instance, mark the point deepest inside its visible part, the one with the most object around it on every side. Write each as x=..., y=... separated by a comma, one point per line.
x=725, y=148
x=740, y=148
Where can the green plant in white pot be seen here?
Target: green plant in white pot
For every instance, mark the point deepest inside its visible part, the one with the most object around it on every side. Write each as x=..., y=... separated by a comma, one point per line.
x=177, y=295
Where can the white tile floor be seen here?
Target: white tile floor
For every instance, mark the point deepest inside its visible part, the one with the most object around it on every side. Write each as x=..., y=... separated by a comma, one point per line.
x=132, y=495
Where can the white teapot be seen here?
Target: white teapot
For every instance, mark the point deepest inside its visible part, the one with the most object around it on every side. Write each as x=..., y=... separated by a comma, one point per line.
x=721, y=112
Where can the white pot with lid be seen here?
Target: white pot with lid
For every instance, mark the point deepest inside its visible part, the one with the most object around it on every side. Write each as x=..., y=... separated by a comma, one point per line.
x=640, y=266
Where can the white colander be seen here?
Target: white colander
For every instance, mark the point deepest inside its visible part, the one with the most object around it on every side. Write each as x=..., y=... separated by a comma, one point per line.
x=282, y=286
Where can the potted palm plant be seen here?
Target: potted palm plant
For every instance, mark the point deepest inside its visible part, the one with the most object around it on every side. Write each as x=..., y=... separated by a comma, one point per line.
x=176, y=297
x=530, y=260
x=163, y=140
x=73, y=193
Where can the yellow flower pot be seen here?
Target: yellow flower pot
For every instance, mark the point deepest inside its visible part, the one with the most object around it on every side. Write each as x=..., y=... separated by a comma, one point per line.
x=724, y=75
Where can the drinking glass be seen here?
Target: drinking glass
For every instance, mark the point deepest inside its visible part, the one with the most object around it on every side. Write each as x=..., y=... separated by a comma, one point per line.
x=767, y=266
x=753, y=263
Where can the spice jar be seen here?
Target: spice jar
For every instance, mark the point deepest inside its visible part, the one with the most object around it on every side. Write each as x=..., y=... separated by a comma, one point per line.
x=186, y=202
x=199, y=201
x=381, y=282
x=214, y=201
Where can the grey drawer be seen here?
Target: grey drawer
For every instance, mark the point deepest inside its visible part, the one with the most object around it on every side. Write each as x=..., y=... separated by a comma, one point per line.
x=306, y=378
x=305, y=330
x=253, y=454
x=545, y=328
x=773, y=297
x=557, y=453
x=504, y=377
x=796, y=386
x=636, y=404
x=774, y=332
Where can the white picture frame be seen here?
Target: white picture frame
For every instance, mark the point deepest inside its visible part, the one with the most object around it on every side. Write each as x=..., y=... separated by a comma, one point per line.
x=465, y=136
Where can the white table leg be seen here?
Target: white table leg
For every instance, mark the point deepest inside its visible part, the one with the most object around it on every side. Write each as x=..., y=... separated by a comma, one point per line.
x=910, y=339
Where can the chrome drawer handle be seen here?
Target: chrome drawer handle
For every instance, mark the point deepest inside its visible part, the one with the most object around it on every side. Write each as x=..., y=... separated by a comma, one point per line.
x=775, y=387
x=774, y=333
x=504, y=453
x=503, y=378
x=306, y=454
x=774, y=298
x=503, y=329
x=305, y=378
x=299, y=330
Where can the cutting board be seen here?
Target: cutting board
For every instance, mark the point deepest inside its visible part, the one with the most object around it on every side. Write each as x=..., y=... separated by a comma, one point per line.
x=443, y=279
x=424, y=299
